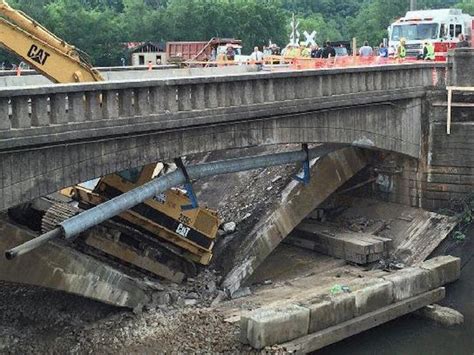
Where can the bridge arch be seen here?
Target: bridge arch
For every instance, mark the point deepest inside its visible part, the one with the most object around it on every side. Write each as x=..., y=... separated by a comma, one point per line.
x=29, y=174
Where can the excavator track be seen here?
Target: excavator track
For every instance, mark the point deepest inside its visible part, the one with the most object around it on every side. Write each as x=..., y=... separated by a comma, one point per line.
x=56, y=214
x=117, y=243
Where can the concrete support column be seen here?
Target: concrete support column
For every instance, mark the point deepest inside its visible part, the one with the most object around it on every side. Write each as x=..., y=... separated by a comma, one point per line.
x=125, y=102
x=223, y=95
x=318, y=87
x=142, y=101
x=76, y=107
x=327, y=85
x=354, y=83
x=211, y=95
x=338, y=83
x=93, y=109
x=248, y=97
x=378, y=81
x=157, y=99
x=269, y=91
x=172, y=98
x=363, y=82
x=20, y=114
x=184, y=98
x=290, y=88
x=392, y=78
x=198, y=99
x=235, y=93
x=4, y=114
x=259, y=91
x=370, y=81
x=39, y=111
x=110, y=104
x=58, y=109
x=279, y=89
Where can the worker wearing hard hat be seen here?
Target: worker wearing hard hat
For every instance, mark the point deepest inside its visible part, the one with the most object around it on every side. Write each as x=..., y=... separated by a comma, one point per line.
x=428, y=51
x=401, y=49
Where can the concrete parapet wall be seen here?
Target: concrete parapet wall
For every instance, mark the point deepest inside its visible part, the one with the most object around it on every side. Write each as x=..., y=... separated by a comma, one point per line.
x=329, y=310
x=75, y=103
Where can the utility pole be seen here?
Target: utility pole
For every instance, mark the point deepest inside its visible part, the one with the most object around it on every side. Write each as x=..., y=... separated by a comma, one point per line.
x=412, y=5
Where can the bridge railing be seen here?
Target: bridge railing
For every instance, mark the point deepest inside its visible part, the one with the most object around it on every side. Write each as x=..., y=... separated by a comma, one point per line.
x=57, y=108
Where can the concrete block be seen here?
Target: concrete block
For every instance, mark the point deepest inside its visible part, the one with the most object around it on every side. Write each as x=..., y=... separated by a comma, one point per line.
x=326, y=312
x=443, y=269
x=409, y=282
x=373, y=297
x=267, y=327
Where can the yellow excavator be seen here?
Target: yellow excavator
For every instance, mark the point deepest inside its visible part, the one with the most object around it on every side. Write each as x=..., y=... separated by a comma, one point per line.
x=165, y=236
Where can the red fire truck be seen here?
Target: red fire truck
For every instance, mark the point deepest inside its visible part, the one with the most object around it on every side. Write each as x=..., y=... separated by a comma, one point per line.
x=441, y=27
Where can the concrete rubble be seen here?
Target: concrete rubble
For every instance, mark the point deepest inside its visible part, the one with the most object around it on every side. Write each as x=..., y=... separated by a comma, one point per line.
x=444, y=316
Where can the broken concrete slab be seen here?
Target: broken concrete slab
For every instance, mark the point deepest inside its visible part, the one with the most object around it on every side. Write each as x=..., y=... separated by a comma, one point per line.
x=266, y=327
x=443, y=269
x=62, y=268
x=374, y=296
x=410, y=282
x=297, y=201
x=329, y=311
x=445, y=316
x=415, y=232
x=318, y=340
x=360, y=248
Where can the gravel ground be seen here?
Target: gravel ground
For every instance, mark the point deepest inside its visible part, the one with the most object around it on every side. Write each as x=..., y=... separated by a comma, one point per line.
x=34, y=320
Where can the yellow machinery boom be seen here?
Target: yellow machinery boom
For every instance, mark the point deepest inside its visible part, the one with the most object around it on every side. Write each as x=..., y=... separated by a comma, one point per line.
x=41, y=49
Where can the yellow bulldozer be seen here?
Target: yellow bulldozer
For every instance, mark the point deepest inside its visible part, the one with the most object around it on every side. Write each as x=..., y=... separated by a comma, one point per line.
x=162, y=236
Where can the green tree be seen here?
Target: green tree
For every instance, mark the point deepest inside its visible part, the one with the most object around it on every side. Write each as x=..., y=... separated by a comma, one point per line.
x=467, y=6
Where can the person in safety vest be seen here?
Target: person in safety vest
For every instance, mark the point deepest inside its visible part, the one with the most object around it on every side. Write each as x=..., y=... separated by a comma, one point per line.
x=401, y=49
x=428, y=51
x=293, y=51
x=305, y=50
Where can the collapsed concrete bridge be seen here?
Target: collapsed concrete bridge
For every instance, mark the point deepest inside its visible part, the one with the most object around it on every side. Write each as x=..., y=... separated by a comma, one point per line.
x=56, y=136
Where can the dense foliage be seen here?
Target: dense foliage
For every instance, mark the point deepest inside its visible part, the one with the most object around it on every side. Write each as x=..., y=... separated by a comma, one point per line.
x=100, y=27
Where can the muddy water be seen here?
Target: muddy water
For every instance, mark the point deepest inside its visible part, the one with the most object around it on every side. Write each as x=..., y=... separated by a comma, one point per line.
x=410, y=335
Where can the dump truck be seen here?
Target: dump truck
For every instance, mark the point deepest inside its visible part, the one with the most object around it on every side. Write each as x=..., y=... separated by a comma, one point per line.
x=167, y=236
x=200, y=51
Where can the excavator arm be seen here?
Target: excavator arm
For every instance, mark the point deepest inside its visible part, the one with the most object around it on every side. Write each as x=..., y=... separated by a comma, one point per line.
x=41, y=49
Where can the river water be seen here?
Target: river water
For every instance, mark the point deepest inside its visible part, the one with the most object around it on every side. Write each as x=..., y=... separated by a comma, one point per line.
x=411, y=335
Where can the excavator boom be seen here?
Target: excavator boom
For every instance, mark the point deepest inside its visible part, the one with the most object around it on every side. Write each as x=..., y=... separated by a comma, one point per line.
x=41, y=49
